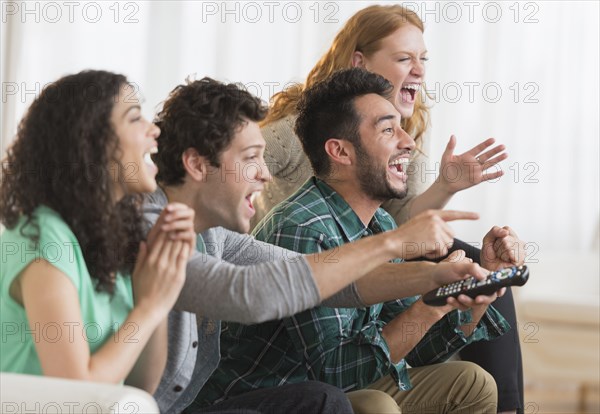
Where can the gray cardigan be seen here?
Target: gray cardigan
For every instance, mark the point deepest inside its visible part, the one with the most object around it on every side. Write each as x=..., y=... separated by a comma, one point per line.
x=239, y=279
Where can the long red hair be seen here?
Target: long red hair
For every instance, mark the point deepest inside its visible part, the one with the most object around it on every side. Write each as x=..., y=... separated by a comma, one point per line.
x=363, y=32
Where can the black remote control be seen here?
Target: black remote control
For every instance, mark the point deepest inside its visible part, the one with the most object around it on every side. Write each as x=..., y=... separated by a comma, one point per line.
x=509, y=276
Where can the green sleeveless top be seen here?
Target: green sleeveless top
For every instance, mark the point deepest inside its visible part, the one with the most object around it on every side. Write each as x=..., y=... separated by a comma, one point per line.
x=102, y=314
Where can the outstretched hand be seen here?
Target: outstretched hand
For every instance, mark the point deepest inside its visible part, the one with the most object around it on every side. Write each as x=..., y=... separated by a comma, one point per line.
x=459, y=172
x=428, y=234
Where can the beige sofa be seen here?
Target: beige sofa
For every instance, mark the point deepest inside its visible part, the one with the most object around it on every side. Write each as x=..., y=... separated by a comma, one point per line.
x=35, y=394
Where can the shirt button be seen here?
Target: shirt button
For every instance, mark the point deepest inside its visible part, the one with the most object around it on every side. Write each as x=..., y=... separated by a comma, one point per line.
x=177, y=388
x=195, y=344
x=365, y=233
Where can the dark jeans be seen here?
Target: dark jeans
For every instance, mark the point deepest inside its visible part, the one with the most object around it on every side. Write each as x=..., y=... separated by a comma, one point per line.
x=500, y=357
x=311, y=397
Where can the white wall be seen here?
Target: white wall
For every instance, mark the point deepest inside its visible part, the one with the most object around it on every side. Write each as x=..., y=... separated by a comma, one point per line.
x=547, y=52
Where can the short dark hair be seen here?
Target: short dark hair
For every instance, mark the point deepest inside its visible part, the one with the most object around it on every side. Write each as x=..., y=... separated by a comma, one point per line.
x=327, y=110
x=204, y=115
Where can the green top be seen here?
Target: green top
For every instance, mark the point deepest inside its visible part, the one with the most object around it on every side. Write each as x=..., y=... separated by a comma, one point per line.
x=102, y=314
x=341, y=346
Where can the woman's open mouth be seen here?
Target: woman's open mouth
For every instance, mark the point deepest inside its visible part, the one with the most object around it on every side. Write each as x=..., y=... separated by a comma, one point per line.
x=409, y=91
x=148, y=160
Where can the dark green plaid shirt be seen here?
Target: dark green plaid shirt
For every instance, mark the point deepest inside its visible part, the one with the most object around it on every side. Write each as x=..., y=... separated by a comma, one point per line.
x=340, y=346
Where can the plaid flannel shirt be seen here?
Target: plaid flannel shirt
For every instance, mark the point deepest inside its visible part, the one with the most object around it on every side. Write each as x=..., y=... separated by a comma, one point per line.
x=340, y=346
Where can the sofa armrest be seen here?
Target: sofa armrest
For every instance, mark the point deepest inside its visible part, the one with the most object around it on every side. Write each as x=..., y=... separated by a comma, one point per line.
x=31, y=393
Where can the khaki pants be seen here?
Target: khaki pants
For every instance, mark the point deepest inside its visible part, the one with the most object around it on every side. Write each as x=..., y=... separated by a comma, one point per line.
x=453, y=387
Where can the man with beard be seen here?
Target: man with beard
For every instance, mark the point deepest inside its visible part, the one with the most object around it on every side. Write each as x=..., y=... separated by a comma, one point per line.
x=210, y=157
x=359, y=153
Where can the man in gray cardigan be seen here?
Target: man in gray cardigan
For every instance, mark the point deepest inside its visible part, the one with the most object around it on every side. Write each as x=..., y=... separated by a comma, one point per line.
x=210, y=158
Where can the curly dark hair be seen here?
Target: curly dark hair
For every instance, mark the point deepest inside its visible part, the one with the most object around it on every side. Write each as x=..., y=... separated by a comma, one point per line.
x=60, y=158
x=327, y=110
x=204, y=115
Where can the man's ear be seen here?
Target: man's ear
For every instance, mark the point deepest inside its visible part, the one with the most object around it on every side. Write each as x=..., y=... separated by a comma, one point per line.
x=194, y=164
x=358, y=60
x=340, y=151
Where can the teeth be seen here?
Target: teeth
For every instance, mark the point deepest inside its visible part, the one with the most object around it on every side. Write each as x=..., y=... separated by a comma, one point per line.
x=413, y=86
x=148, y=158
x=153, y=150
x=253, y=196
x=400, y=161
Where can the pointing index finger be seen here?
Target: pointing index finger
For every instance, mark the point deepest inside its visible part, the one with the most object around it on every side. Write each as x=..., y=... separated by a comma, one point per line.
x=451, y=215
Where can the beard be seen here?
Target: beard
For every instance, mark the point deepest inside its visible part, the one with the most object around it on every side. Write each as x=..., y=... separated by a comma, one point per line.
x=373, y=179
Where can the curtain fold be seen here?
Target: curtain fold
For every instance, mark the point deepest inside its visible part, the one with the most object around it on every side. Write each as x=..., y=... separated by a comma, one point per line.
x=546, y=73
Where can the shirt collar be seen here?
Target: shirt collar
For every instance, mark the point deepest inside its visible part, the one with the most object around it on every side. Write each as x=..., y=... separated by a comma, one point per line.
x=348, y=221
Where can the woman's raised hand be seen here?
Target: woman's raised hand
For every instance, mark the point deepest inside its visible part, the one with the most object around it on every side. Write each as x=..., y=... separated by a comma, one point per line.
x=459, y=172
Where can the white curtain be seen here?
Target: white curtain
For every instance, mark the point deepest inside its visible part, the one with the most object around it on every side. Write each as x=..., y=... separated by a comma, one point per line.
x=525, y=73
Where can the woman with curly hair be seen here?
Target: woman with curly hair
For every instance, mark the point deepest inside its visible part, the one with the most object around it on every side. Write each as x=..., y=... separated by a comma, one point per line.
x=85, y=295
x=388, y=40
